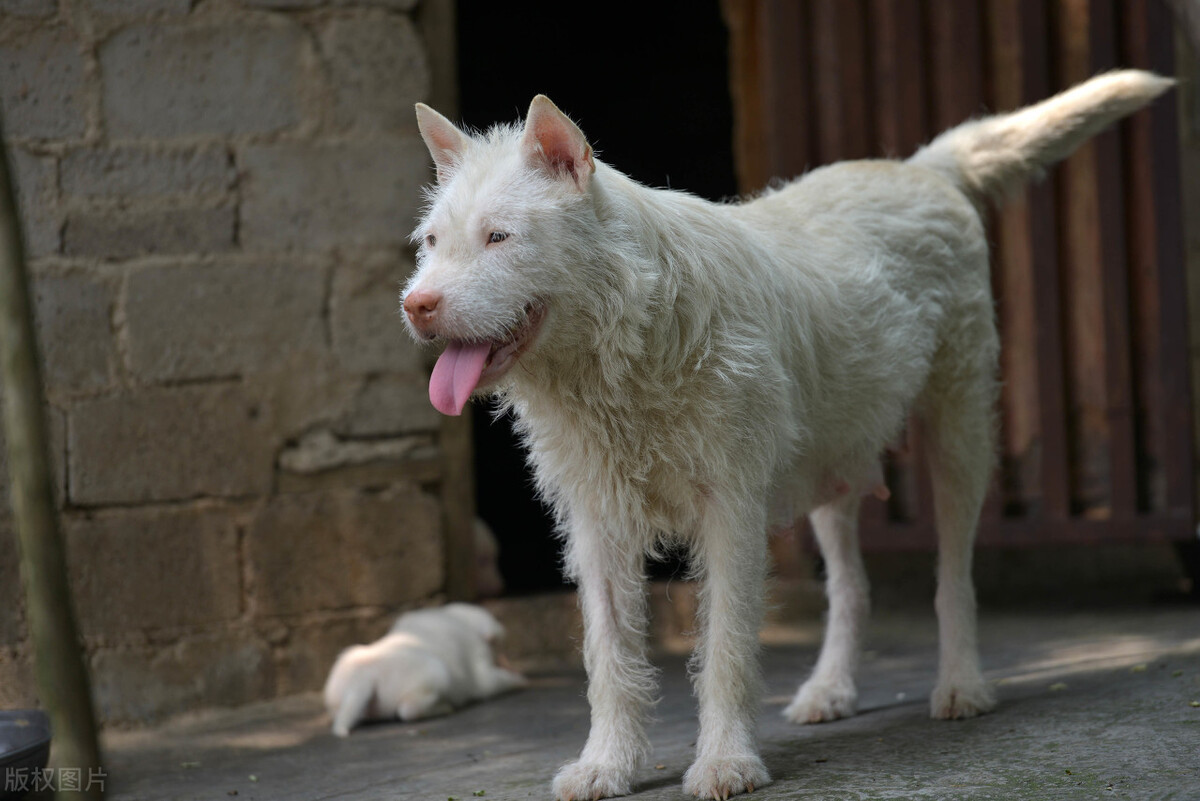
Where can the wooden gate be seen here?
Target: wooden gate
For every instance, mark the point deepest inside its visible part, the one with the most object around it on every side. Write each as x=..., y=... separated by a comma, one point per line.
x=1088, y=266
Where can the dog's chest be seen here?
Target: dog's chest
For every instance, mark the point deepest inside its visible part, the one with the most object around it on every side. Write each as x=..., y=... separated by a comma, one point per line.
x=641, y=469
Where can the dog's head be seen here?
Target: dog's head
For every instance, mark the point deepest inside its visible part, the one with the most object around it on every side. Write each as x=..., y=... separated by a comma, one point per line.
x=496, y=244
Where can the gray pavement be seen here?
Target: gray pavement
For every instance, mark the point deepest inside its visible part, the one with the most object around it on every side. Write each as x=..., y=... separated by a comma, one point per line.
x=1092, y=705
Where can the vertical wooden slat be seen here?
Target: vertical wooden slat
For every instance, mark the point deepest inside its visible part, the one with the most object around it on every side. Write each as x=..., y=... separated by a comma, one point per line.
x=1083, y=269
x=1176, y=414
x=747, y=78
x=899, y=85
x=1014, y=276
x=1110, y=196
x=827, y=80
x=956, y=57
x=1043, y=235
x=859, y=99
x=786, y=93
x=840, y=79
x=1144, y=285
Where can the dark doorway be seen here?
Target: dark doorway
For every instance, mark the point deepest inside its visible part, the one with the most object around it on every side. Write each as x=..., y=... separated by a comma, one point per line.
x=649, y=85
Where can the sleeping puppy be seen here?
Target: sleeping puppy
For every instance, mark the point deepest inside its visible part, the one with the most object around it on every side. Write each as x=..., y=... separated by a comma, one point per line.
x=432, y=662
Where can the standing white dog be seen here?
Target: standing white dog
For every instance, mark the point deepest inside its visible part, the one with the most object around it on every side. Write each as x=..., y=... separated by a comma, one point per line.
x=674, y=363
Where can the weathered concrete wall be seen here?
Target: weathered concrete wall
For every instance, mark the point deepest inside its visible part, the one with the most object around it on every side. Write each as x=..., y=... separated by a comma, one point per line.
x=217, y=198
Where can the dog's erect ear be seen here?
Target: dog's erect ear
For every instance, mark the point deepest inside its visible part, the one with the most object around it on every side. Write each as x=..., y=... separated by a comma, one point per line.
x=555, y=143
x=445, y=142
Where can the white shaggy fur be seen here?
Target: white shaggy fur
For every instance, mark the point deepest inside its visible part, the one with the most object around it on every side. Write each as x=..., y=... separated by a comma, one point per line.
x=430, y=663
x=674, y=364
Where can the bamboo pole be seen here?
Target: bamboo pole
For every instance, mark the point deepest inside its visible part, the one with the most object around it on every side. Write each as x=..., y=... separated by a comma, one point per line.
x=61, y=675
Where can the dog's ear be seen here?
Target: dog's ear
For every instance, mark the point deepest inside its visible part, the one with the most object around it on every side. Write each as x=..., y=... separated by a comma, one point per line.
x=445, y=142
x=553, y=142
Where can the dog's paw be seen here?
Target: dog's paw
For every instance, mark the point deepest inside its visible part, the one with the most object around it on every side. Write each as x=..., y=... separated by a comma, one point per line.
x=820, y=701
x=589, y=781
x=722, y=777
x=961, y=699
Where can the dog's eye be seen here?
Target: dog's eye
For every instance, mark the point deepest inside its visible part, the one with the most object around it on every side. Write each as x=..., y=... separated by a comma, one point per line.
x=430, y=240
x=496, y=236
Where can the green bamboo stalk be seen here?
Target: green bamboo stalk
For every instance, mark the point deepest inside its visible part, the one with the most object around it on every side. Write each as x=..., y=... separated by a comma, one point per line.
x=61, y=675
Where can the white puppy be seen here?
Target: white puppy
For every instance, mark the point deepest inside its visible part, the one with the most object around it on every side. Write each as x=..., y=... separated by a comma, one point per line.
x=674, y=364
x=430, y=663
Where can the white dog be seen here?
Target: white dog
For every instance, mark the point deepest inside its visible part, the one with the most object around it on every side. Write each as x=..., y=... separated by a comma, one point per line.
x=675, y=363
x=430, y=663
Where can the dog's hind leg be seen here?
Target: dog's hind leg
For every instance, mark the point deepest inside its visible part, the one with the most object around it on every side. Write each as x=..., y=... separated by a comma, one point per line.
x=609, y=569
x=958, y=424
x=425, y=702
x=353, y=705
x=829, y=693
x=732, y=556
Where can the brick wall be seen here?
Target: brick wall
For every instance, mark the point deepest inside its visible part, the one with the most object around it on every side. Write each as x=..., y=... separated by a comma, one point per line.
x=217, y=196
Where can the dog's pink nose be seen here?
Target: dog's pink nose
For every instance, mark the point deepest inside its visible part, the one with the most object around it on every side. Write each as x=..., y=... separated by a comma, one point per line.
x=421, y=307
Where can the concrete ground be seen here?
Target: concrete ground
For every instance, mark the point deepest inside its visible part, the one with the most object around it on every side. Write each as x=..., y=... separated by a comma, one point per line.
x=1102, y=704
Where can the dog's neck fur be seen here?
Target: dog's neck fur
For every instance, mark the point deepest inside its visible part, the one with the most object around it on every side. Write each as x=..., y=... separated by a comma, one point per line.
x=642, y=316
x=655, y=331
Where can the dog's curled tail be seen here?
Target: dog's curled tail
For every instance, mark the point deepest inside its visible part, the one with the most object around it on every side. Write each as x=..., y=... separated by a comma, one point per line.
x=992, y=156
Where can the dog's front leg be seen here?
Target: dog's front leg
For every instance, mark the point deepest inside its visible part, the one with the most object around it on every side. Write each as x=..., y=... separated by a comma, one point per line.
x=732, y=550
x=609, y=569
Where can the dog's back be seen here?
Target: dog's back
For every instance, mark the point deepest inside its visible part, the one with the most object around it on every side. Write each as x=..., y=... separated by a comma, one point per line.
x=898, y=258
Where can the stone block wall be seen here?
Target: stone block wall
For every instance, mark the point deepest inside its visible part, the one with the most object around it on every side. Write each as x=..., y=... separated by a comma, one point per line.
x=217, y=196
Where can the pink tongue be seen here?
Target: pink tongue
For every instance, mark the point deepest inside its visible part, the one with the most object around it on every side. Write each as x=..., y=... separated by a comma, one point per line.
x=455, y=376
